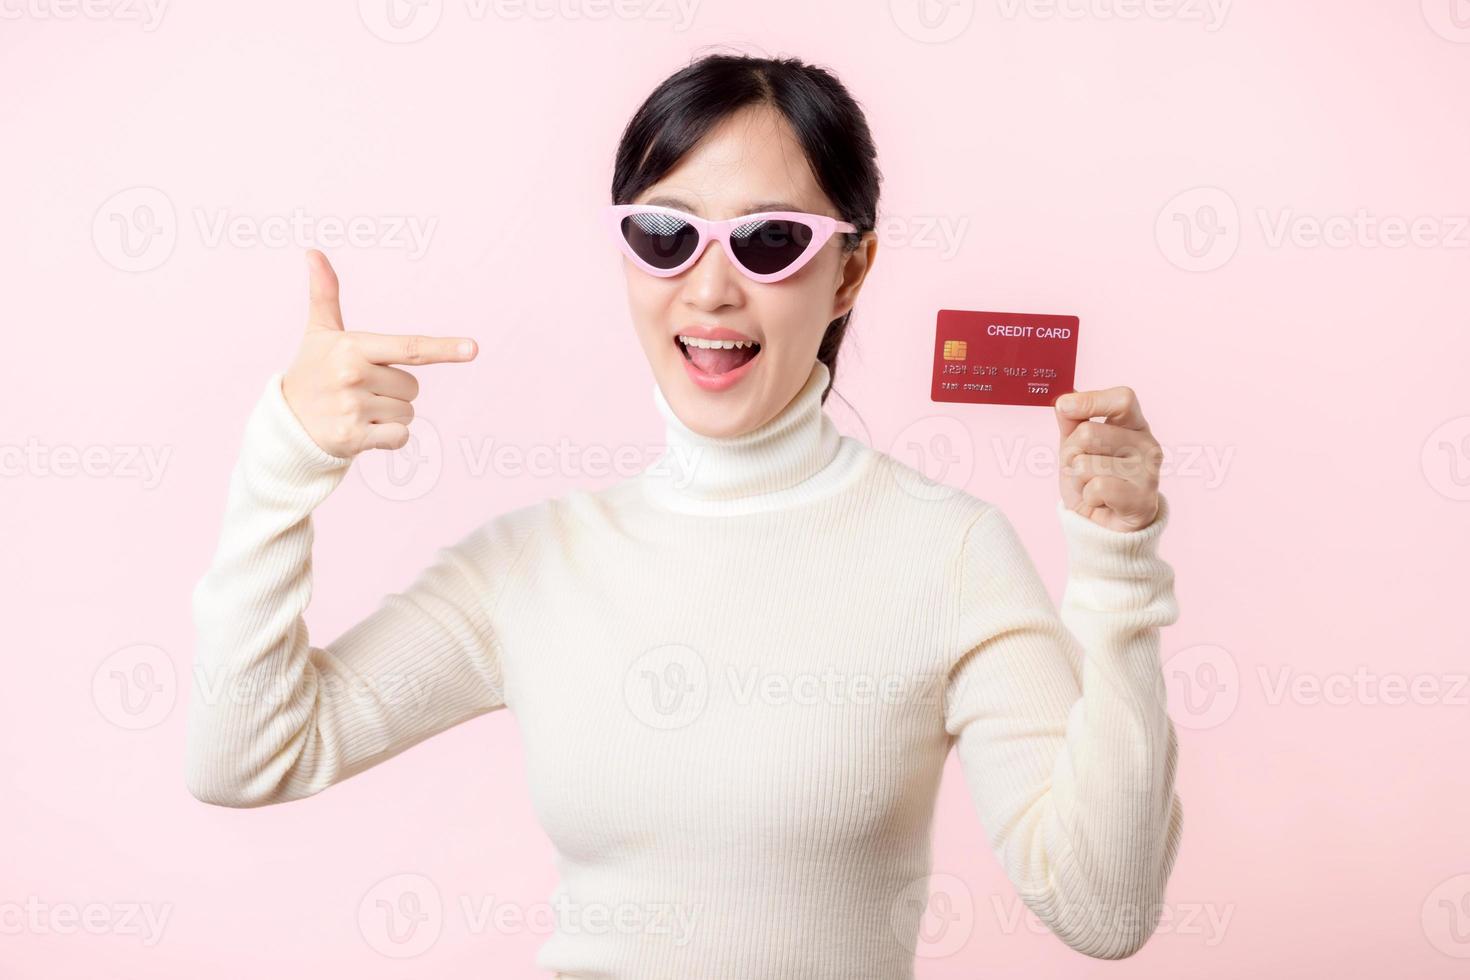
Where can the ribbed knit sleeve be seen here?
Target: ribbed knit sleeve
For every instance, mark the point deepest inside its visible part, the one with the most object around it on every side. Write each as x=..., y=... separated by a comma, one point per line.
x=273, y=718
x=1060, y=724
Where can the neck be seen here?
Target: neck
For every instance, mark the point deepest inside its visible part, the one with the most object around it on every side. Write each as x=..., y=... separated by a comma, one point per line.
x=794, y=456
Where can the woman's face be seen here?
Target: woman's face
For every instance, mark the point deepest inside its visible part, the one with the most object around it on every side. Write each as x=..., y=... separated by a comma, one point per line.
x=746, y=164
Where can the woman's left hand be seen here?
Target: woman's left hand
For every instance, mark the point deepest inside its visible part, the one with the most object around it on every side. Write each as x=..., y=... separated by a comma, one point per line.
x=1109, y=470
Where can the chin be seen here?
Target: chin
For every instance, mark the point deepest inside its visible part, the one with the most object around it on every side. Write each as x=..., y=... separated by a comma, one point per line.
x=717, y=415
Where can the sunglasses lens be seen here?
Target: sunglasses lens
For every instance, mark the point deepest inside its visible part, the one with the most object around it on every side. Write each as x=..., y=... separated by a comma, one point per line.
x=661, y=240
x=767, y=247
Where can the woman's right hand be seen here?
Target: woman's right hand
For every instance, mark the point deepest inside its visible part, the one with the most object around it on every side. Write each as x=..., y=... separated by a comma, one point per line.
x=340, y=387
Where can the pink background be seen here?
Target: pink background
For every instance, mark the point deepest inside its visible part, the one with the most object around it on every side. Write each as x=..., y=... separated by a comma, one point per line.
x=1312, y=398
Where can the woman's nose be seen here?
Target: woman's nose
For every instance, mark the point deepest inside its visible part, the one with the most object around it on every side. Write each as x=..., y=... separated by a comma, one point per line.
x=712, y=281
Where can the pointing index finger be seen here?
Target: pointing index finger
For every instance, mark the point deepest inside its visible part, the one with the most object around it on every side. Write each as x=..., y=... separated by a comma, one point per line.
x=386, y=348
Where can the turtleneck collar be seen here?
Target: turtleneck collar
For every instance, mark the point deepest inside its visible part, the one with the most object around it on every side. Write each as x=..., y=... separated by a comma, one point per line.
x=796, y=455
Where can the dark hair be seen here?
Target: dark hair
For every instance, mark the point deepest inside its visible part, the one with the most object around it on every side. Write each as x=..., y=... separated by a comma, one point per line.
x=827, y=122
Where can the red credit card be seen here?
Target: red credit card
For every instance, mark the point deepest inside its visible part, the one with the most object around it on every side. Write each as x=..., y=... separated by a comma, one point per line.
x=1003, y=358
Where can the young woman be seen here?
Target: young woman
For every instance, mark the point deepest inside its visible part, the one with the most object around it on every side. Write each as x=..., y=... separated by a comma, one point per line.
x=738, y=674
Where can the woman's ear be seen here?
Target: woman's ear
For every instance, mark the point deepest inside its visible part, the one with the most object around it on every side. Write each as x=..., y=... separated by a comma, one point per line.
x=852, y=270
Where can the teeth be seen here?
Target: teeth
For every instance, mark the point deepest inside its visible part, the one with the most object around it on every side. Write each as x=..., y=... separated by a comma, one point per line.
x=714, y=344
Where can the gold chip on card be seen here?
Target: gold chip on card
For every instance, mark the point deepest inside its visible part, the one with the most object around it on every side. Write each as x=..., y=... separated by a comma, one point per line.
x=954, y=350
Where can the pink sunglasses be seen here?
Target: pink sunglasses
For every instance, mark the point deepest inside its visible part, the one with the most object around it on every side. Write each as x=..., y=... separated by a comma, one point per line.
x=767, y=246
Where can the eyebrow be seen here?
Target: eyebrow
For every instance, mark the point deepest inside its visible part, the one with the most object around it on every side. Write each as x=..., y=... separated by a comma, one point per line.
x=757, y=207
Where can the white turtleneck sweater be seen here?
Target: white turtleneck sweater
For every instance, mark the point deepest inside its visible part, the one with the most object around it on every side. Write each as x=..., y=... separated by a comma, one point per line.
x=737, y=677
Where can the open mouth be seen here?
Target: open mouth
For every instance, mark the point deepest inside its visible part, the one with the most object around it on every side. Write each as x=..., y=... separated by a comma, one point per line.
x=716, y=357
